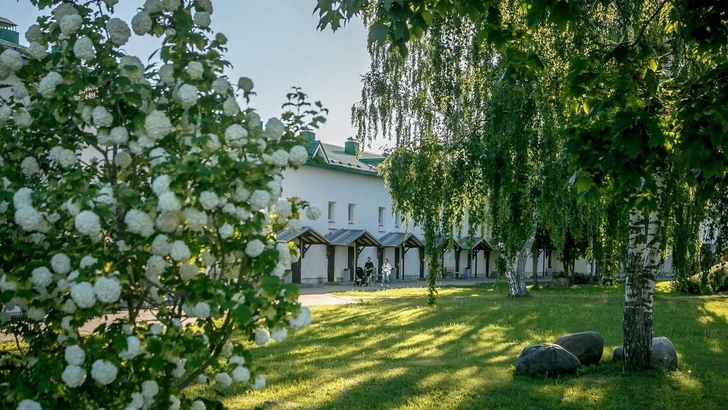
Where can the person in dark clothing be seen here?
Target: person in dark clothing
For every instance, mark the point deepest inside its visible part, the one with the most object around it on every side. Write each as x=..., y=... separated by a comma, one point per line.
x=369, y=270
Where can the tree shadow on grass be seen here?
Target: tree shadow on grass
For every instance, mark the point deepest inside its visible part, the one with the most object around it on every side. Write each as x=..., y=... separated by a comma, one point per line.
x=398, y=353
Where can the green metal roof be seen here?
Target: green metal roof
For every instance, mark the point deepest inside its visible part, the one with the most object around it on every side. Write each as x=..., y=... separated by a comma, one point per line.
x=395, y=239
x=307, y=234
x=346, y=237
x=476, y=242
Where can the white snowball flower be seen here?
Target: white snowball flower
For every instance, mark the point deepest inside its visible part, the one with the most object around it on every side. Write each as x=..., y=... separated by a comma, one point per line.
x=221, y=86
x=41, y=277
x=187, y=95
x=28, y=218
x=21, y=198
x=61, y=263
x=226, y=231
x=102, y=117
x=196, y=220
x=275, y=129
x=171, y=5
x=279, y=334
x=73, y=376
x=168, y=202
x=141, y=23
x=11, y=60
x=29, y=166
x=19, y=91
x=67, y=159
x=137, y=402
x=167, y=222
x=107, y=289
x=179, y=251
x=84, y=49
x=34, y=34
x=70, y=24
x=37, y=51
x=220, y=38
x=275, y=189
x=202, y=19
x=236, y=360
x=245, y=84
x=64, y=10
x=87, y=261
x=262, y=337
x=179, y=369
x=150, y=388
x=22, y=118
x=87, y=223
x=28, y=404
x=259, y=383
x=161, y=184
x=119, y=135
x=74, y=355
x=103, y=371
x=166, y=74
x=301, y=320
x=209, y=200
x=5, y=113
x=132, y=68
x=175, y=403
x=254, y=248
x=294, y=225
x=195, y=70
x=201, y=310
x=204, y=5
x=188, y=271
x=298, y=155
x=223, y=379
x=155, y=266
x=280, y=158
x=161, y=245
x=133, y=348
x=139, y=222
x=153, y=6
x=36, y=314
x=241, y=374
x=259, y=199
x=122, y=159
x=230, y=107
x=236, y=135
x=83, y=295
x=157, y=125
x=158, y=156
x=119, y=31
x=313, y=212
x=208, y=259
x=283, y=208
x=197, y=404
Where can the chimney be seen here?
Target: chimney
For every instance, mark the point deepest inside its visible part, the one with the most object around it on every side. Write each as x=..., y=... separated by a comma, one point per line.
x=309, y=136
x=351, y=146
x=9, y=31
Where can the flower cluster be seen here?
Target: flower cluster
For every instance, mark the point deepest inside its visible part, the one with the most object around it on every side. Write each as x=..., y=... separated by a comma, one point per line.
x=175, y=212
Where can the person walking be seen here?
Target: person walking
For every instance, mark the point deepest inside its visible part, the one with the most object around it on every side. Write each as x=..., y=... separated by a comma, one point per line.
x=386, y=271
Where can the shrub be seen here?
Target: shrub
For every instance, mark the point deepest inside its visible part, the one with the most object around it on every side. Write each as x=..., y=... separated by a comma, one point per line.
x=172, y=215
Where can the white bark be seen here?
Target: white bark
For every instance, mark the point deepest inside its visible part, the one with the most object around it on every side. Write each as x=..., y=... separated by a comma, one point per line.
x=517, y=277
x=641, y=270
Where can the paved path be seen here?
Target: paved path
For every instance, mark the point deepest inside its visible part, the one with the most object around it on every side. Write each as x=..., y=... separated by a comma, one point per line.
x=320, y=296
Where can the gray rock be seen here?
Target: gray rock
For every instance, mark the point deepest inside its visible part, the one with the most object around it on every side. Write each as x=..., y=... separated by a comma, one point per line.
x=549, y=359
x=559, y=283
x=663, y=353
x=588, y=347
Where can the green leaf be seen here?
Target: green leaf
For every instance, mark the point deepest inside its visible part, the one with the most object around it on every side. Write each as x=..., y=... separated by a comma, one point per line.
x=652, y=64
x=427, y=16
x=378, y=33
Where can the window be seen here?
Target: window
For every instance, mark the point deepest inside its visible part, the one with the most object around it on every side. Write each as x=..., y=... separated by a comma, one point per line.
x=397, y=218
x=381, y=216
x=332, y=211
x=351, y=213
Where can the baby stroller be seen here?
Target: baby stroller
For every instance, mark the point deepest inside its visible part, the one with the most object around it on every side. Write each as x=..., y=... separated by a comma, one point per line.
x=359, y=279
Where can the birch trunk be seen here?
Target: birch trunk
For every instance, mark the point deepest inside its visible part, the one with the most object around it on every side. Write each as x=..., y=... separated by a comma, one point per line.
x=517, y=277
x=641, y=269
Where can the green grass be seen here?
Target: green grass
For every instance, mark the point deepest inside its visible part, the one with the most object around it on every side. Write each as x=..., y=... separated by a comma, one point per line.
x=393, y=352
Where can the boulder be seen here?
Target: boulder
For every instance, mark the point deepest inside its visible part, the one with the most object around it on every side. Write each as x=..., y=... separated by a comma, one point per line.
x=586, y=346
x=663, y=353
x=559, y=283
x=549, y=359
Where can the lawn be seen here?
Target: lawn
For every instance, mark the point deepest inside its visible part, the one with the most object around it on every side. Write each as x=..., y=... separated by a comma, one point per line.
x=392, y=351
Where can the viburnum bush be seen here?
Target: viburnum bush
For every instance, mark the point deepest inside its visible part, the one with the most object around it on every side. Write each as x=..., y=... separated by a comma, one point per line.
x=138, y=211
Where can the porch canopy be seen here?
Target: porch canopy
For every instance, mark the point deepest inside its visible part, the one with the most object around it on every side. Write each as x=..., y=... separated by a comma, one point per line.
x=402, y=242
x=448, y=243
x=474, y=245
x=357, y=239
x=304, y=238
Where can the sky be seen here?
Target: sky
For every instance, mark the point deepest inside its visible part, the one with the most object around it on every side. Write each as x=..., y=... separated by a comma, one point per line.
x=277, y=45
